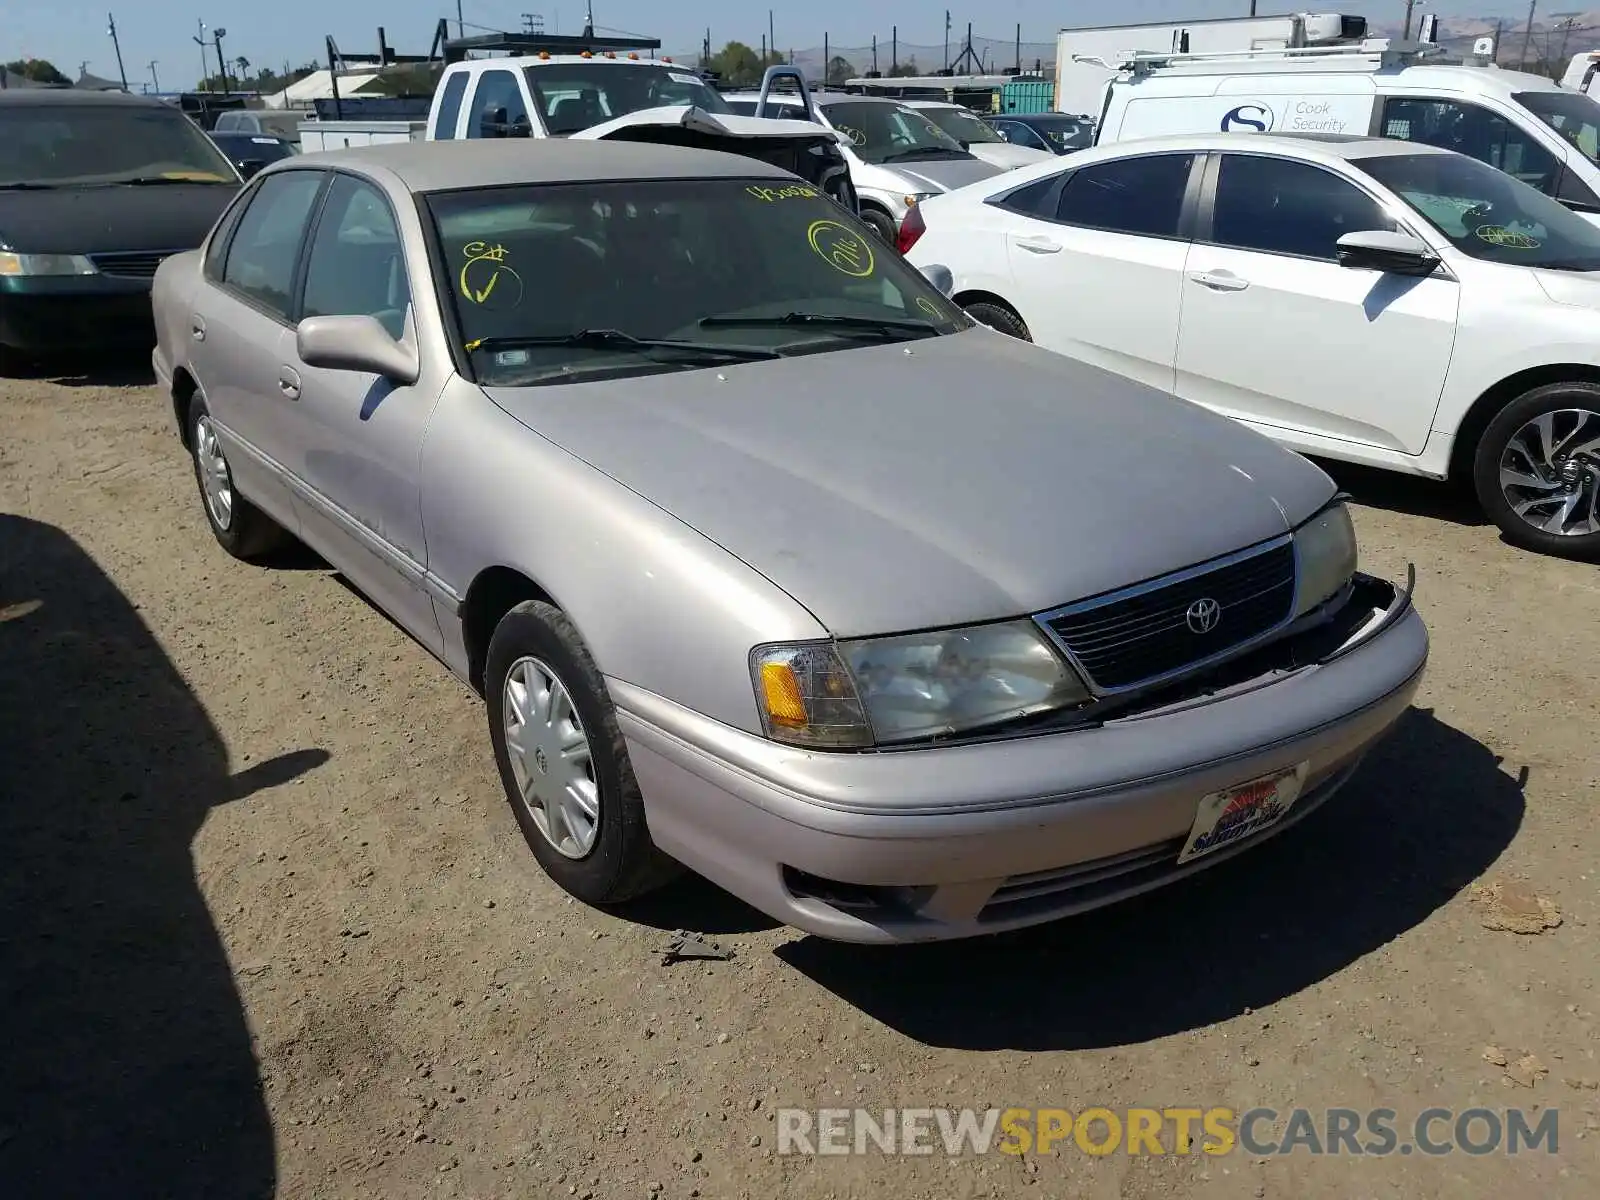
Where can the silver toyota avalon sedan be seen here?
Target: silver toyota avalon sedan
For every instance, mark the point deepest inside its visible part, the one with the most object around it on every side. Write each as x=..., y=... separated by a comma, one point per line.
x=768, y=562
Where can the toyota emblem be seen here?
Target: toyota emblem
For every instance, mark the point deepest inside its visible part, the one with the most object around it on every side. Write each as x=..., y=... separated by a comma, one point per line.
x=1203, y=615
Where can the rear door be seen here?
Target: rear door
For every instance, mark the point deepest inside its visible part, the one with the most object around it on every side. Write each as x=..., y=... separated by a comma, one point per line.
x=239, y=327
x=1097, y=261
x=1277, y=333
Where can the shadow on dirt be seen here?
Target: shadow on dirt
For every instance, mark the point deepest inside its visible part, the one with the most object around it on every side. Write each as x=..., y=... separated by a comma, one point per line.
x=1450, y=501
x=697, y=905
x=120, y=368
x=1428, y=812
x=127, y=1069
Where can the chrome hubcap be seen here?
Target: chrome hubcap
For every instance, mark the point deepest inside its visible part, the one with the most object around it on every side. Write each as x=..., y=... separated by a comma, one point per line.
x=550, y=758
x=1550, y=472
x=214, y=477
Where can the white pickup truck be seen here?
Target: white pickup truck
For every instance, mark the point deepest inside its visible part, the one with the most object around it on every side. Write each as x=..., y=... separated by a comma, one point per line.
x=602, y=95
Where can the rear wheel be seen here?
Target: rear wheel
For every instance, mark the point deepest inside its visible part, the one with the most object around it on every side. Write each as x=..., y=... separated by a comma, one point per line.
x=998, y=316
x=240, y=528
x=881, y=223
x=1537, y=470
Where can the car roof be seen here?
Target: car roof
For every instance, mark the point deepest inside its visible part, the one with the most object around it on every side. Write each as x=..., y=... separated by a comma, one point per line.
x=76, y=97
x=451, y=165
x=1333, y=145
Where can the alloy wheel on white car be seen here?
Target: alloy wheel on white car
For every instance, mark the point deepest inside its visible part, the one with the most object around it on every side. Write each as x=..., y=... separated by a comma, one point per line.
x=1550, y=472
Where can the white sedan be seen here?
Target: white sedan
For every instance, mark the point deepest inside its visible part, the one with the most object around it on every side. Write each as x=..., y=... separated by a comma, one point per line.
x=1369, y=300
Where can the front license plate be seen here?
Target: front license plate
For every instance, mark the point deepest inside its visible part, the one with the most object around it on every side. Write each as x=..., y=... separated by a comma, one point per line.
x=1228, y=817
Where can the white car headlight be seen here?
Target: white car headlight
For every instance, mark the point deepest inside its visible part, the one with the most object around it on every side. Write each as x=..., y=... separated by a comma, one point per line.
x=1325, y=557
x=14, y=264
x=882, y=691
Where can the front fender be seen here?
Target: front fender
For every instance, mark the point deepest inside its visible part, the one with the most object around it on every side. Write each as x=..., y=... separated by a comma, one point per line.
x=658, y=605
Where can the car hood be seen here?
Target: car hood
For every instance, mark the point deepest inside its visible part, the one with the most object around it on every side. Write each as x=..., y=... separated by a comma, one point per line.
x=94, y=220
x=1580, y=289
x=958, y=479
x=667, y=125
x=943, y=174
x=1006, y=156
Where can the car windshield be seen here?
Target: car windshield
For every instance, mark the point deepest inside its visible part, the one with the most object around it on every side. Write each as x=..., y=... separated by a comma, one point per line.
x=1571, y=114
x=883, y=133
x=568, y=282
x=85, y=144
x=961, y=124
x=245, y=147
x=573, y=97
x=1064, y=133
x=1488, y=214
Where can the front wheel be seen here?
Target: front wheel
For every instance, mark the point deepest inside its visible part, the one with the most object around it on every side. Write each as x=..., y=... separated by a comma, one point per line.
x=563, y=761
x=1537, y=470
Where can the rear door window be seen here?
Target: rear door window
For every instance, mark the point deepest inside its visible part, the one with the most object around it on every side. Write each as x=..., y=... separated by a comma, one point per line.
x=1142, y=195
x=266, y=244
x=444, y=125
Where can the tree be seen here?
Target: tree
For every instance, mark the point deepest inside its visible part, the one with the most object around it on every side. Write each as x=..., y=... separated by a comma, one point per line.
x=840, y=69
x=39, y=70
x=905, y=70
x=738, y=64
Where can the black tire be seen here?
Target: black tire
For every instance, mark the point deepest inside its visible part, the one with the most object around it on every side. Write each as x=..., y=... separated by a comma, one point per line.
x=248, y=533
x=882, y=224
x=1493, y=446
x=998, y=316
x=623, y=862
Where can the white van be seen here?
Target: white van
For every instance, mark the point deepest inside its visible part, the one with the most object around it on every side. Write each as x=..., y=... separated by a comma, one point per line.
x=1526, y=125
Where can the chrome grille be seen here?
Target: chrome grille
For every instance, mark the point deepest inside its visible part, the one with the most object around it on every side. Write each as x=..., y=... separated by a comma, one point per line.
x=1139, y=636
x=130, y=264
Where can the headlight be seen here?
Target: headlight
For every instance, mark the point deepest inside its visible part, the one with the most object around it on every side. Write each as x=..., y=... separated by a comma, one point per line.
x=879, y=691
x=14, y=264
x=1325, y=555
x=912, y=199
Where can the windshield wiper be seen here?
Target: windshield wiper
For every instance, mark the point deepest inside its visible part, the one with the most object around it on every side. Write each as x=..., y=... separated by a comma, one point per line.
x=615, y=339
x=901, y=155
x=884, y=327
x=160, y=180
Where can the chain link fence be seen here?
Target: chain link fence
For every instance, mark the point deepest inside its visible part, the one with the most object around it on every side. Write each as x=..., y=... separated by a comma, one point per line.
x=1547, y=52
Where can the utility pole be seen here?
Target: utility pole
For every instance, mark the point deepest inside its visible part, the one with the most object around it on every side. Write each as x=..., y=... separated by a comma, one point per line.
x=894, y=50
x=218, y=34
x=201, y=42
x=946, y=64
x=1568, y=20
x=461, y=27
x=155, y=80
x=1527, y=35
x=1405, y=35
x=772, y=37
x=83, y=68
x=111, y=28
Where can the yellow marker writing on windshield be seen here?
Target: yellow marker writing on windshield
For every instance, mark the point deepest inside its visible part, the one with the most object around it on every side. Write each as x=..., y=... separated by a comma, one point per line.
x=478, y=285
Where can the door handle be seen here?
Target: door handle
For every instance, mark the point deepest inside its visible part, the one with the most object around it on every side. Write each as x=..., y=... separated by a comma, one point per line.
x=289, y=383
x=1037, y=245
x=1220, y=281
x=197, y=329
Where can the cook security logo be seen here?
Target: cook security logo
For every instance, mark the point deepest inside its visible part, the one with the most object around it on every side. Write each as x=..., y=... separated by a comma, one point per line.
x=1247, y=118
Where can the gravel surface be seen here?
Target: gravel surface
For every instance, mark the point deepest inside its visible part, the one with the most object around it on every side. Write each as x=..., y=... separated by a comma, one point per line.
x=267, y=925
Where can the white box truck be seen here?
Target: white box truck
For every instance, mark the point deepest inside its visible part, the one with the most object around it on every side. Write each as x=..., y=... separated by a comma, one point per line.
x=1080, y=85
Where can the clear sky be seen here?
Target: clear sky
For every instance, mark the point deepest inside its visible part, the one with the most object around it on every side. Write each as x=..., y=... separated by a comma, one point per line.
x=68, y=32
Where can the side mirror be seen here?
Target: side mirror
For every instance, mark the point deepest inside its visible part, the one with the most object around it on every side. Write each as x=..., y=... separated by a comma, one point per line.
x=355, y=344
x=939, y=275
x=251, y=167
x=1381, y=250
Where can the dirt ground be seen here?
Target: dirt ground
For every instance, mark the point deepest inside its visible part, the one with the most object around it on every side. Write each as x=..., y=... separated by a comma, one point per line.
x=267, y=926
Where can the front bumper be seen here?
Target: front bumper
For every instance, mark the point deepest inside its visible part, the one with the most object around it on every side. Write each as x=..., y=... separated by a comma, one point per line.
x=80, y=312
x=961, y=840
